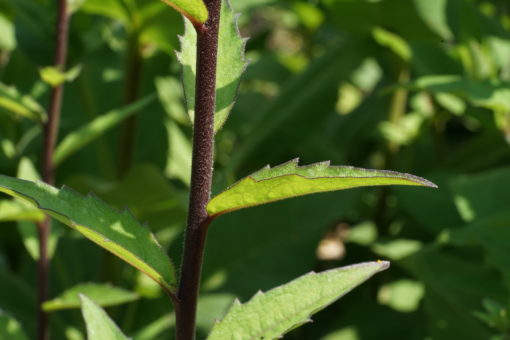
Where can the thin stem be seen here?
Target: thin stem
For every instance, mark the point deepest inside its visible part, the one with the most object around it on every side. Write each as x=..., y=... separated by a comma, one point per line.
x=48, y=169
x=133, y=75
x=201, y=173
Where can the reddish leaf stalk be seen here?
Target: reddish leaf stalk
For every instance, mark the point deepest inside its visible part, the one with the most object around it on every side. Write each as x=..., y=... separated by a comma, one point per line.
x=201, y=173
x=48, y=169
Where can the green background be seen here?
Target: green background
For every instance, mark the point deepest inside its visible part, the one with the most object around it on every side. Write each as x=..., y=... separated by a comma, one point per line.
x=417, y=86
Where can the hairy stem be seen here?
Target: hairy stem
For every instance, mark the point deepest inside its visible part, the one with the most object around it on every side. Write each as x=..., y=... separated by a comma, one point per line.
x=48, y=169
x=201, y=173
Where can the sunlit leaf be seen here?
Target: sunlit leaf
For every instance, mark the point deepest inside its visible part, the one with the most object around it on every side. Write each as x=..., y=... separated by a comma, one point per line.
x=99, y=325
x=230, y=65
x=86, y=134
x=398, y=45
x=17, y=211
x=434, y=14
x=117, y=232
x=290, y=180
x=26, y=227
x=54, y=77
x=15, y=103
x=194, y=10
x=8, y=36
x=272, y=314
x=104, y=295
x=493, y=95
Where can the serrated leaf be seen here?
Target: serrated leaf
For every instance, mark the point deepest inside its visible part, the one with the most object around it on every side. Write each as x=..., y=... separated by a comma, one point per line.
x=230, y=65
x=270, y=315
x=10, y=328
x=194, y=10
x=290, y=180
x=86, y=134
x=99, y=325
x=104, y=295
x=15, y=103
x=117, y=232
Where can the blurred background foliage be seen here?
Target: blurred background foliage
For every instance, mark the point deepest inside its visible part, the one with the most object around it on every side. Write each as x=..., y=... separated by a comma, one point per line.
x=420, y=86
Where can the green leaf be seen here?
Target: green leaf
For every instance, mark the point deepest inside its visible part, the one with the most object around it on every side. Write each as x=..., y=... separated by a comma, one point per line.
x=230, y=66
x=17, y=211
x=10, y=328
x=15, y=103
x=26, y=227
x=493, y=95
x=104, y=295
x=117, y=232
x=270, y=315
x=290, y=180
x=54, y=77
x=99, y=325
x=394, y=42
x=481, y=195
x=8, y=36
x=194, y=10
x=86, y=134
x=434, y=14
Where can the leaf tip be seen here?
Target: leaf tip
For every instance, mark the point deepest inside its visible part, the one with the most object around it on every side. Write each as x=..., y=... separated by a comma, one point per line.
x=383, y=264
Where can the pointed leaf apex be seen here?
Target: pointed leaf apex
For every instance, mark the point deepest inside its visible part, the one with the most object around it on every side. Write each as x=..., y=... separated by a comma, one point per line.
x=291, y=180
x=286, y=307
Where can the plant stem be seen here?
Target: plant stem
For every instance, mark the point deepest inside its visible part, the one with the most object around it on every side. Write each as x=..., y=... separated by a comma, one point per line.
x=48, y=170
x=201, y=173
x=133, y=75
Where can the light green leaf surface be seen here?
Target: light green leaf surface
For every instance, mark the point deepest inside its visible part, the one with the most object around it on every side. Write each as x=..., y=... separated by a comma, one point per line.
x=434, y=14
x=290, y=180
x=194, y=10
x=86, y=134
x=117, y=232
x=10, y=328
x=54, y=77
x=15, y=103
x=17, y=211
x=99, y=325
x=27, y=227
x=394, y=42
x=104, y=295
x=230, y=66
x=493, y=95
x=270, y=315
x=8, y=36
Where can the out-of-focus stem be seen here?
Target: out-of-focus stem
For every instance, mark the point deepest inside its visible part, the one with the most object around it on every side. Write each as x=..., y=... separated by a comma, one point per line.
x=50, y=136
x=133, y=75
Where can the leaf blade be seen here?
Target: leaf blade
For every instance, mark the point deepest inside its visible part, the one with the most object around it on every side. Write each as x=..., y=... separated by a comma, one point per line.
x=231, y=64
x=194, y=10
x=290, y=180
x=18, y=104
x=271, y=314
x=86, y=134
x=99, y=325
x=117, y=232
x=105, y=295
